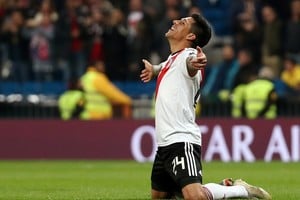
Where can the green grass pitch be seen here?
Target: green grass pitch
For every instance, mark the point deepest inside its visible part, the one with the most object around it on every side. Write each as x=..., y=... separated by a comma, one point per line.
x=89, y=180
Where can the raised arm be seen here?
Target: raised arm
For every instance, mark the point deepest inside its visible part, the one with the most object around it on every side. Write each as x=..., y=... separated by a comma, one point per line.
x=149, y=72
x=195, y=63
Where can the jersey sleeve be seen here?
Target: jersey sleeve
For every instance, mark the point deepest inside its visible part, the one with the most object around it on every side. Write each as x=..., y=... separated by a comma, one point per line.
x=189, y=52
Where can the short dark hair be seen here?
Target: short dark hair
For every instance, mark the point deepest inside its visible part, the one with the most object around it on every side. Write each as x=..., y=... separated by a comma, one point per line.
x=201, y=29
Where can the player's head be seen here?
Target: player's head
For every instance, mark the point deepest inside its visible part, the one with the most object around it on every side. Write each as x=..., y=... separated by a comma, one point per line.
x=289, y=62
x=201, y=29
x=98, y=65
x=194, y=29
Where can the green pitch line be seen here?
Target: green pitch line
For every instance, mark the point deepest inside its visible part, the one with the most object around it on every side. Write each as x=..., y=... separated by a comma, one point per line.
x=91, y=180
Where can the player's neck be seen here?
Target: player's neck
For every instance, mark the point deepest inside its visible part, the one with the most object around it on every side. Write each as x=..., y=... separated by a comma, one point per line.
x=176, y=47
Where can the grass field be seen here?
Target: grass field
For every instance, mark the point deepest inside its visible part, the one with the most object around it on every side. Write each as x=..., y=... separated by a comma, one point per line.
x=89, y=180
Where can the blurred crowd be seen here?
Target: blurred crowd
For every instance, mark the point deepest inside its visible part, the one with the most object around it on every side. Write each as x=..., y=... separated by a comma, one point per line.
x=44, y=40
x=56, y=40
x=264, y=42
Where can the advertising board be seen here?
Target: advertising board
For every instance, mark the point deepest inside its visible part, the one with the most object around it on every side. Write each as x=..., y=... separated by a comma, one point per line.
x=222, y=139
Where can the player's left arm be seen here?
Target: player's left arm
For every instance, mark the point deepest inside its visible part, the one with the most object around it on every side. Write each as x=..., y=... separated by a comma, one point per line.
x=196, y=62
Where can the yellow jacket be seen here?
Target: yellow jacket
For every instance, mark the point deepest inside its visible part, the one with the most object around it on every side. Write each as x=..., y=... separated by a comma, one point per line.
x=260, y=99
x=100, y=95
x=69, y=102
x=292, y=78
x=237, y=101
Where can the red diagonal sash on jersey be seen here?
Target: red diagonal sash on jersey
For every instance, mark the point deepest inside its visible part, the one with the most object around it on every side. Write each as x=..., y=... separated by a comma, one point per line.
x=164, y=71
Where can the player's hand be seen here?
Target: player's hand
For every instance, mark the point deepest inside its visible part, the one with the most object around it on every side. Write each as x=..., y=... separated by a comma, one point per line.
x=200, y=60
x=147, y=73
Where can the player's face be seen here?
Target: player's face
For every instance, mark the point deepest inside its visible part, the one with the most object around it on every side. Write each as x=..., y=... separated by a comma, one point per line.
x=180, y=28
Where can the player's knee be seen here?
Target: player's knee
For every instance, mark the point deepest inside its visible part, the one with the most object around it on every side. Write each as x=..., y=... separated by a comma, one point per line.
x=159, y=195
x=195, y=196
x=194, y=192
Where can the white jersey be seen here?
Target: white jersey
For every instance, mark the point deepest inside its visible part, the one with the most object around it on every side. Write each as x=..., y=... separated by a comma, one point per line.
x=176, y=91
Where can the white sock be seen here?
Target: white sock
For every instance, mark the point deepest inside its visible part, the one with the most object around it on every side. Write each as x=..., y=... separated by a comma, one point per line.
x=224, y=192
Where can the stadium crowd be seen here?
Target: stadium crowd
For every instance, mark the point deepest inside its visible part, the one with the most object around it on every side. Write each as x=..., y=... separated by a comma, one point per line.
x=56, y=40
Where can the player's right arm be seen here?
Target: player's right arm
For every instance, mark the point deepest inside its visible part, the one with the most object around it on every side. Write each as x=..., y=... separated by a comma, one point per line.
x=150, y=71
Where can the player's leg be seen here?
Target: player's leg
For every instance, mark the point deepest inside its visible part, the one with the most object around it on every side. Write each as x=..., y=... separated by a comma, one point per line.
x=253, y=191
x=186, y=170
x=224, y=192
x=161, y=182
x=158, y=194
x=184, y=166
x=195, y=191
x=237, y=189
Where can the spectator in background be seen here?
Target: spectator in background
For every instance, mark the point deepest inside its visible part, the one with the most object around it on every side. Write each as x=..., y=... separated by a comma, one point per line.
x=27, y=7
x=95, y=35
x=61, y=46
x=260, y=96
x=220, y=77
x=98, y=4
x=241, y=10
x=41, y=38
x=140, y=38
x=71, y=102
x=122, y=5
x=59, y=5
x=292, y=31
x=75, y=25
x=70, y=40
x=3, y=56
x=46, y=10
x=115, y=35
x=155, y=9
x=161, y=43
x=246, y=67
x=134, y=17
x=194, y=9
x=291, y=74
x=249, y=36
x=14, y=48
x=40, y=48
x=179, y=4
x=2, y=10
x=272, y=40
x=101, y=95
x=282, y=7
x=238, y=101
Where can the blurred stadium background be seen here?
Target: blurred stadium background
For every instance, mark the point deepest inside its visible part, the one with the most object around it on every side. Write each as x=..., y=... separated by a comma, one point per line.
x=46, y=45
x=41, y=59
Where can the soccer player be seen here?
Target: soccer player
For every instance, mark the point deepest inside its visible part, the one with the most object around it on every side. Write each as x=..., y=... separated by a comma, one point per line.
x=177, y=167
